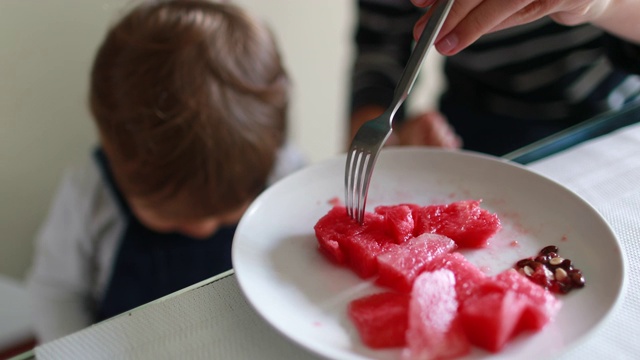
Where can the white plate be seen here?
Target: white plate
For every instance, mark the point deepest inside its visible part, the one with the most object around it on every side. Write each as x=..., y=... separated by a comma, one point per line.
x=295, y=289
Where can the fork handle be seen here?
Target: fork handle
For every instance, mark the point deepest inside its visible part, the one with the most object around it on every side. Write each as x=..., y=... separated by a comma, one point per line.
x=440, y=10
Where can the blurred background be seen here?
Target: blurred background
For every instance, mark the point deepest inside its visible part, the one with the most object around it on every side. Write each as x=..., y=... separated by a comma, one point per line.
x=46, y=49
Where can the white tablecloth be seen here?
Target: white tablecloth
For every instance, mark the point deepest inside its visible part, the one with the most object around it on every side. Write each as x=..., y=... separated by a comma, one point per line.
x=606, y=173
x=212, y=320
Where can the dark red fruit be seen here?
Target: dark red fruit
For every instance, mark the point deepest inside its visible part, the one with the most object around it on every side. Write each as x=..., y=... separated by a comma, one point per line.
x=551, y=271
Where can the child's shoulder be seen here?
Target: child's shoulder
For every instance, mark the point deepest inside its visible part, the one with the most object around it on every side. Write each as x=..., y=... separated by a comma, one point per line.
x=289, y=160
x=83, y=177
x=83, y=180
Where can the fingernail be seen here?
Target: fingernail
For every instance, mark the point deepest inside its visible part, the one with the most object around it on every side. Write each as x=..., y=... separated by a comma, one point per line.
x=447, y=44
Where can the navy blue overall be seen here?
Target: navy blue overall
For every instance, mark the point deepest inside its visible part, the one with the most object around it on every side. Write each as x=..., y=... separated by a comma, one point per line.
x=149, y=265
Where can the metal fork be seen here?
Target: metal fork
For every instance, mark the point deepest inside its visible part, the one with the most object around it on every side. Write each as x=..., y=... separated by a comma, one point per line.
x=371, y=136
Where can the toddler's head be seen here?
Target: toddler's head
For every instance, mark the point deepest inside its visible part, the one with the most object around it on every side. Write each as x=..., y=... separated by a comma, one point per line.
x=190, y=100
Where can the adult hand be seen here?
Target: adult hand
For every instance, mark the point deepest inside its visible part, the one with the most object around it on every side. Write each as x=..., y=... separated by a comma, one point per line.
x=427, y=129
x=470, y=19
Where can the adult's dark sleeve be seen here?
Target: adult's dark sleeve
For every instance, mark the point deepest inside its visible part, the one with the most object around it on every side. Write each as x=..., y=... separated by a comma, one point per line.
x=623, y=54
x=383, y=43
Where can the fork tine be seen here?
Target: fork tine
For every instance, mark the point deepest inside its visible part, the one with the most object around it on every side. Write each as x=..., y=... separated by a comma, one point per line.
x=358, y=171
x=353, y=179
x=360, y=183
x=355, y=182
x=368, y=164
x=348, y=182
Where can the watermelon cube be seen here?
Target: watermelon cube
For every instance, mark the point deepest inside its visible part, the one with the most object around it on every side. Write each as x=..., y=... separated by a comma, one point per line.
x=361, y=248
x=344, y=241
x=398, y=267
x=399, y=221
x=469, y=225
x=434, y=330
x=491, y=317
x=331, y=229
x=468, y=276
x=504, y=306
x=381, y=319
x=542, y=305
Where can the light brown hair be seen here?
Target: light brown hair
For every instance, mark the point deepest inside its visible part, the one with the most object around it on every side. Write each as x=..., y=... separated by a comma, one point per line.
x=190, y=99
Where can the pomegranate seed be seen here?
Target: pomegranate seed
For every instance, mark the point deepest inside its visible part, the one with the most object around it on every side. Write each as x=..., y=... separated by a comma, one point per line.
x=551, y=271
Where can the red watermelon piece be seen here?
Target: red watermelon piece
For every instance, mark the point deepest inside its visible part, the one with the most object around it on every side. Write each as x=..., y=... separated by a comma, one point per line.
x=333, y=227
x=503, y=307
x=434, y=330
x=469, y=225
x=381, y=319
x=468, y=276
x=399, y=221
x=363, y=249
x=344, y=241
x=490, y=318
x=398, y=267
x=542, y=305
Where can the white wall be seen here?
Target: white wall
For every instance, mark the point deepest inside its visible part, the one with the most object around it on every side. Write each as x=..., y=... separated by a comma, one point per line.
x=45, y=52
x=46, y=48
